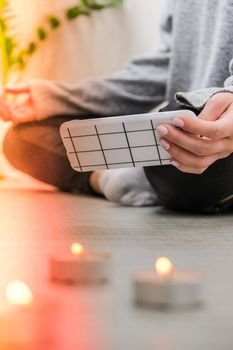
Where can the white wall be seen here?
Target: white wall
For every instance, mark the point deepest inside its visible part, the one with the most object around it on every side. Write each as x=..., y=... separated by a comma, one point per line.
x=87, y=47
x=93, y=46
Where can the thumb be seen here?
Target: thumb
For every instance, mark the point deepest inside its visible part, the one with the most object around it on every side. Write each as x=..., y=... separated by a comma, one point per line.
x=216, y=106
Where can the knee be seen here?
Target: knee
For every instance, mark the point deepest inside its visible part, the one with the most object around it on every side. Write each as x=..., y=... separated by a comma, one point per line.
x=191, y=204
x=12, y=147
x=183, y=192
x=189, y=201
x=38, y=151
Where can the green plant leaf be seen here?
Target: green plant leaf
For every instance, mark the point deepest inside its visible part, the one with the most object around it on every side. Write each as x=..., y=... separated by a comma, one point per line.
x=42, y=34
x=13, y=57
x=85, y=3
x=32, y=47
x=76, y=11
x=54, y=22
x=73, y=13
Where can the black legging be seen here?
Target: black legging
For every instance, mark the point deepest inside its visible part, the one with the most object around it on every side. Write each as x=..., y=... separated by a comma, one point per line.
x=210, y=192
x=36, y=149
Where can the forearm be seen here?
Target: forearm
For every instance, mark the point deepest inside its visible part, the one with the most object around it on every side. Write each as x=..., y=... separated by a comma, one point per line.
x=137, y=88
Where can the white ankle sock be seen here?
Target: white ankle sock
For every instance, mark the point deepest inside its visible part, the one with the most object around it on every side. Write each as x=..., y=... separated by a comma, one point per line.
x=128, y=187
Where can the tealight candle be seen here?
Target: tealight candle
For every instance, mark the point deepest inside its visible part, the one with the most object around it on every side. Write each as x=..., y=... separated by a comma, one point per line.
x=80, y=266
x=166, y=286
x=26, y=322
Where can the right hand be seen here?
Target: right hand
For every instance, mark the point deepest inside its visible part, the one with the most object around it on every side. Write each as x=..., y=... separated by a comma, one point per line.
x=19, y=112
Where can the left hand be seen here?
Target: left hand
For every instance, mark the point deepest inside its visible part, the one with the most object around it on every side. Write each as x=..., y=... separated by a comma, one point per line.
x=20, y=112
x=192, y=153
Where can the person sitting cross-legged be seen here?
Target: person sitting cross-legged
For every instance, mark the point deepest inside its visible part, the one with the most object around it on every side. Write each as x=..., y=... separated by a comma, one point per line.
x=191, y=66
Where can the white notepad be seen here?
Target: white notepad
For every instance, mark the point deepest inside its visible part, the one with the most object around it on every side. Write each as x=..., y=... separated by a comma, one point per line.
x=117, y=142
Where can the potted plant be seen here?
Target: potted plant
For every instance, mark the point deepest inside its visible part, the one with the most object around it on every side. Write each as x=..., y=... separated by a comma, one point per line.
x=14, y=57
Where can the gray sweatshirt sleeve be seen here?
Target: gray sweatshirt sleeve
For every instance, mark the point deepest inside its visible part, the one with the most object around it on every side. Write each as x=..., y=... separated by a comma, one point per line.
x=198, y=99
x=139, y=87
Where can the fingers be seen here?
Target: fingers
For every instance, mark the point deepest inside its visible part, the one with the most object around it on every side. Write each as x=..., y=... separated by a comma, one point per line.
x=196, y=145
x=185, y=169
x=5, y=112
x=22, y=89
x=23, y=114
x=197, y=126
x=197, y=168
x=216, y=106
x=213, y=130
x=16, y=90
x=210, y=122
x=186, y=160
x=190, y=163
x=16, y=114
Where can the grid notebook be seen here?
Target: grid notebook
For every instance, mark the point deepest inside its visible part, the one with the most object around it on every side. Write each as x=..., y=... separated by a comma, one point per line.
x=116, y=142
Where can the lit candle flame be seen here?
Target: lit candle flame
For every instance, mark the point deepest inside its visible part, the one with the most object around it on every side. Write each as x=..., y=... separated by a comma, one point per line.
x=163, y=266
x=18, y=293
x=77, y=249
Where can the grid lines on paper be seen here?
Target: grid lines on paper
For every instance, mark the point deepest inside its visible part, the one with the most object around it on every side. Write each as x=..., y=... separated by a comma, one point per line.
x=117, y=145
x=76, y=153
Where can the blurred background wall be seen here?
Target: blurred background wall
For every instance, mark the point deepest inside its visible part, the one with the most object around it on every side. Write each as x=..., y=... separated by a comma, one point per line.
x=94, y=46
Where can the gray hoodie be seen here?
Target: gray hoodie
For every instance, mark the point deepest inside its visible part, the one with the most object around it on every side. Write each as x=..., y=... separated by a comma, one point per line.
x=194, y=62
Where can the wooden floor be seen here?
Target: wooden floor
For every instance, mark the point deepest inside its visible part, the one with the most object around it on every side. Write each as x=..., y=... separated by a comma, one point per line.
x=37, y=223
